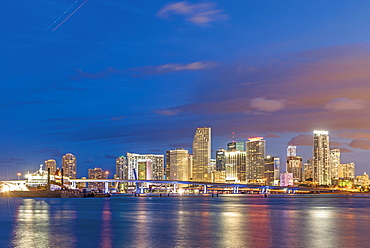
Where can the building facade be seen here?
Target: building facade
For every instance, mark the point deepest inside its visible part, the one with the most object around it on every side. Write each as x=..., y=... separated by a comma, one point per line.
x=321, y=158
x=52, y=164
x=235, y=166
x=177, y=164
x=69, y=164
x=334, y=162
x=96, y=173
x=146, y=166
x=202, y=154
x=256, y=152
x=294, y=166
x=121, y=168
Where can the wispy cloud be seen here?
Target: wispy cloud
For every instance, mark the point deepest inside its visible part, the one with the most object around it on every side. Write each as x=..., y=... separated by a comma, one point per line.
x=144, y=70
x=266, y=105
x=346, y=104
x=198, y=13
x=361, y=144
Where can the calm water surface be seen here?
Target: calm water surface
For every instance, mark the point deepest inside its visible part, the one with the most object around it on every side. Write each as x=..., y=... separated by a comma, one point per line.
x=186, y=222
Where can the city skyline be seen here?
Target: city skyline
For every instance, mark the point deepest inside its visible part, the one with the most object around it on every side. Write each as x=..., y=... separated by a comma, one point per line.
x=119, y=77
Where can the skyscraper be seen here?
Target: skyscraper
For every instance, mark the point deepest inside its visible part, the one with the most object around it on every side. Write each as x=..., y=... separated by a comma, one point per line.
x=334, y=162
x=147, y=166
x=177, y=164
x=202, y=154
x=291, y=151
x=235, y=166
x=52, y=164
x=121, y=168
x=256, y=151
x=321, y=158
x=220, y=159
x=270, y=163
x=69, y=165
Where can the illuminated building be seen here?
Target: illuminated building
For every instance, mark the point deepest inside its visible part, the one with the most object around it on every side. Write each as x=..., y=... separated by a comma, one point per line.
x=308, y=170
x=270, y=164
x=294, y=166
x=52, y=164
x=334, y=162
x=235, y=166
x=202, y=154
x=291, y=151
x=96, y=173
x=220, y=159
x=121, y=168
x=69, y=165
x=276, y=171
x=235, y=146
x=363, y=179
x=347, y=171
x=286, y=179
x=177, y=164
x=147, y=166
x=321, y=158
x=256, y=151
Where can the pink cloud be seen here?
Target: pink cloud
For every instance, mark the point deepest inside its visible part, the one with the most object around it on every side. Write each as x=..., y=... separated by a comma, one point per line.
x=361, y=144
x=168, y=112
x=198, y=13
x=266, y=105
x=355, y=135
x=301, y=140
x=346, y=104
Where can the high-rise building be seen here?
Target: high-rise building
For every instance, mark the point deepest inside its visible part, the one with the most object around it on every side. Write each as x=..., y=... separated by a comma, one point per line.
x=321, y=158
x=121, y=168
x=294, y=166
x=256, y=151
x=96, y=173
x=270, y=163
x=347, y=171
x=276, y=171
x=202, y=154
x=177, y=164
x=235, y=166
x=235, y=146
x=334, y=162
x=52, y=164
x=308, y=170
x=69, y=165
x=220, y=159
x=291, y=151
x=147, y=166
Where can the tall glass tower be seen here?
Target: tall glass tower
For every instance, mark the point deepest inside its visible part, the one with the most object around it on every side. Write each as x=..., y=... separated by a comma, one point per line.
x=202, y=154
x=256, y=152
x=321, y=158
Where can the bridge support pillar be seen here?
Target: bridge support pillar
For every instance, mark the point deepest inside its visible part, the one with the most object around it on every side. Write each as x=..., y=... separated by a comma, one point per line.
x=204, y=189
x=236, y=190
x=73, y=185
x=175, y=188
x=106, y=189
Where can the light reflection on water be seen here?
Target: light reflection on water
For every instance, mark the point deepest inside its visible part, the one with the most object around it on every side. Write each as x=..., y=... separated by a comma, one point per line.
x=186, y=222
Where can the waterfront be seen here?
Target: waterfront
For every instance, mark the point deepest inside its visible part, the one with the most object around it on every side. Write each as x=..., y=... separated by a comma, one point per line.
x=298, y=221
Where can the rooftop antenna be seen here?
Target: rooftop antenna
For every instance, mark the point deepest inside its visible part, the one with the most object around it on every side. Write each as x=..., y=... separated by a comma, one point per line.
x=233, y=136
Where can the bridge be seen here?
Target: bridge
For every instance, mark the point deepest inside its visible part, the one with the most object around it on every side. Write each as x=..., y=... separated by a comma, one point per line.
x=21, y=185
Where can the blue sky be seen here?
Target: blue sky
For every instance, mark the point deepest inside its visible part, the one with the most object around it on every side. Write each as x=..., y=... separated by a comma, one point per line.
x=140, y=76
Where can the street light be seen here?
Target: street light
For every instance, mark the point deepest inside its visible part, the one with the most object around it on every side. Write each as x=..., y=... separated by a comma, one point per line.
x=106, y=174
x=19, y=175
